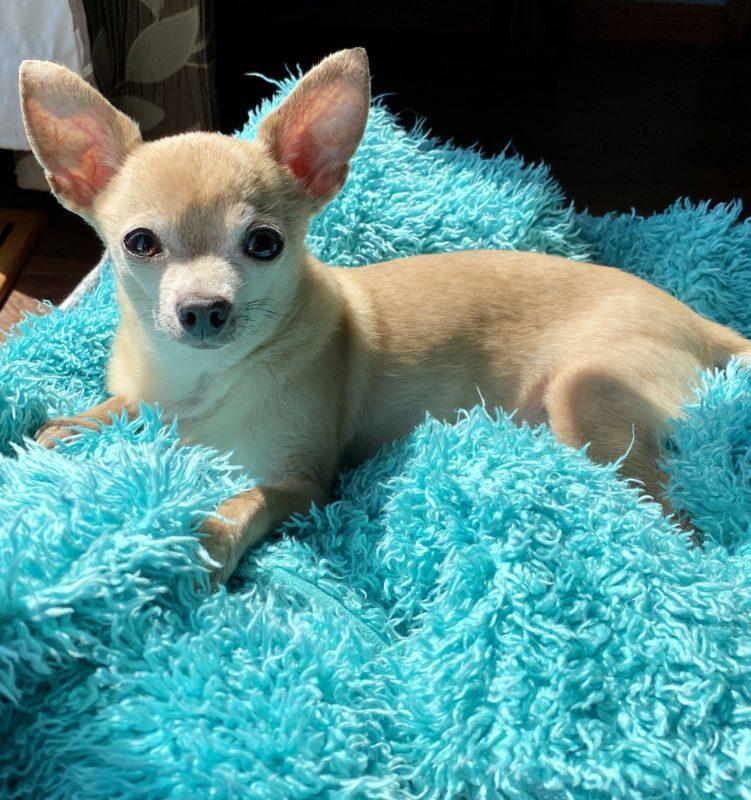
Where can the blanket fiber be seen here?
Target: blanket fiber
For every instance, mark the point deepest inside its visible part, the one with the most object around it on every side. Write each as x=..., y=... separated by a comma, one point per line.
x=481, y=613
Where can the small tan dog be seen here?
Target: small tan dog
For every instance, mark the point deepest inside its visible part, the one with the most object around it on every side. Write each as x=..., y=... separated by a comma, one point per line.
x=230, y=324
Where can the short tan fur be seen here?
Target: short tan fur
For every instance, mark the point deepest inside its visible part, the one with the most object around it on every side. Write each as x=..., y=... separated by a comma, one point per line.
x=300, y=367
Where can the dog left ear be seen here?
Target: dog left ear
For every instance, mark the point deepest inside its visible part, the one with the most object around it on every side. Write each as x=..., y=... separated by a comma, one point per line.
x=316, y=130
x=79, y=138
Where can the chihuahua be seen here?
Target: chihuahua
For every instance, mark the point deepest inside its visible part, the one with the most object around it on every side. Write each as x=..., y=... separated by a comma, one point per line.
x=231, y=325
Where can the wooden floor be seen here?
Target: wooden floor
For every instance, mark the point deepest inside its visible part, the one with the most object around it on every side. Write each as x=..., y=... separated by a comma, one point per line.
x=65, y=252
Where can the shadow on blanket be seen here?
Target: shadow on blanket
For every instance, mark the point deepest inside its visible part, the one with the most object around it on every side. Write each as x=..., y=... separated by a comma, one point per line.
x=481, y=613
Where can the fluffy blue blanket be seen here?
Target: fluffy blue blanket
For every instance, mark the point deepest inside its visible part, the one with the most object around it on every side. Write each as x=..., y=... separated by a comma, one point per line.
x=481, y=613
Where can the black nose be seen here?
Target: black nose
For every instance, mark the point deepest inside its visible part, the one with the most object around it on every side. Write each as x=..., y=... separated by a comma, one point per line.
x=203, y=317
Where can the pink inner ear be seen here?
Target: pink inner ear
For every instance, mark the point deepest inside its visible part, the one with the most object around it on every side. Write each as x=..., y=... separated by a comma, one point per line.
x=76, y=150
x=322, y=136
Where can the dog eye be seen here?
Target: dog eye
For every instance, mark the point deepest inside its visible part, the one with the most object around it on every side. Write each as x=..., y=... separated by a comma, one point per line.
x=263, y=243
x=142, y=243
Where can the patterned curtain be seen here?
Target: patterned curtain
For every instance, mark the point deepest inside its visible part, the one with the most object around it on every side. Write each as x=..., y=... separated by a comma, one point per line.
x=154, y=60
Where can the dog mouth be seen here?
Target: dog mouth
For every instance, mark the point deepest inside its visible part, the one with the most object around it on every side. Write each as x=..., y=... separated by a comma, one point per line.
x=210, y=343
x=204, y=345
x=238, y=327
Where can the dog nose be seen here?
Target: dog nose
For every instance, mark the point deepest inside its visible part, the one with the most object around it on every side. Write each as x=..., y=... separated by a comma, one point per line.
x=203, y=317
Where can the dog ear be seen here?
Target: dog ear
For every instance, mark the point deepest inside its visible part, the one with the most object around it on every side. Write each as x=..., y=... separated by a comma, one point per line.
x=316, y=130
x=77, y=136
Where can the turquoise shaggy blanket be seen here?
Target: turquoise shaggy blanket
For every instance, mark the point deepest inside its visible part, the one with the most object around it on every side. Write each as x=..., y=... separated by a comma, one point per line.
x=480, y=613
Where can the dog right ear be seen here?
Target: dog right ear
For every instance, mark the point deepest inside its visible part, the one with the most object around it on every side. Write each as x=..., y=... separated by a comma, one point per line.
x=315, y=131
x=79, y=138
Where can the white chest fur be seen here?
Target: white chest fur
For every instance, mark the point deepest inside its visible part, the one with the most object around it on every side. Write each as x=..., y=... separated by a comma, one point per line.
x=273, y=419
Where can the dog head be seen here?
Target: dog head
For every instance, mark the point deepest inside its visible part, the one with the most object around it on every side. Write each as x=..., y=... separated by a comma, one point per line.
x=206, y=231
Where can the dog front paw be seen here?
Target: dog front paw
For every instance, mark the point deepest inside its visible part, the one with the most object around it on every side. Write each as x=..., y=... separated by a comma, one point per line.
x=221, y=543
x=59, y=429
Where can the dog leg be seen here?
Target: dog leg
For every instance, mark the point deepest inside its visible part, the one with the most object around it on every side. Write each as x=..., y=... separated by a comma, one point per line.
x=251, y=515
x=65, y=427
x=595, y=405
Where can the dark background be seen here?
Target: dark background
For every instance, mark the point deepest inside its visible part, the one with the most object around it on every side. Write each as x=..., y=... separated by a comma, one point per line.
x=631, y=103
